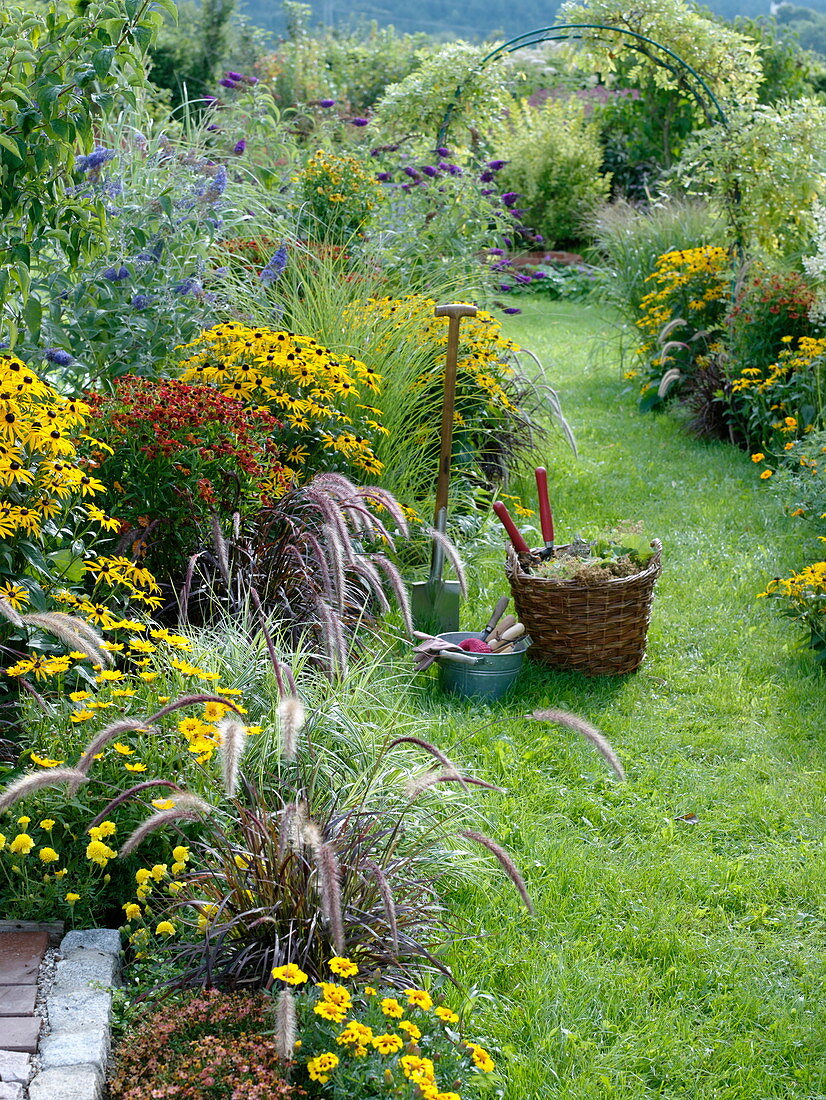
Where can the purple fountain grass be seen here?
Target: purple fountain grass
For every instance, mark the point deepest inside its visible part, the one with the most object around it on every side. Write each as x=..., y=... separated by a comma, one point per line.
x=188, y=807
x=34, y=781
x=589, y=732
x=506, y=862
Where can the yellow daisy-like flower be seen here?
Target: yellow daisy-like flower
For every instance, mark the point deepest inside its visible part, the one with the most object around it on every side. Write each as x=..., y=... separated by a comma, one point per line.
x=47, y=824
x=343, y=967
x=481, y=1059
x=165, y=928
x=48, y=855
x=758, y=457
x=180, y=853
x=134, y=767
x=45, y=762
x=391, y=1007
x=419, y=998
x=290, y=973
x=388, y=1044
x=766, y=474
x=321, y=1067
x=447, y=1015
x=99, y=853
x=21, y=845
x=410, y=1030
x=132, y=910
x=124, y=750
x=142, y=876
x=328, y=1011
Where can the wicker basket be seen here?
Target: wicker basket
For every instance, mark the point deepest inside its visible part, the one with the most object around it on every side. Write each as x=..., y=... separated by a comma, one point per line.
x=597, y=629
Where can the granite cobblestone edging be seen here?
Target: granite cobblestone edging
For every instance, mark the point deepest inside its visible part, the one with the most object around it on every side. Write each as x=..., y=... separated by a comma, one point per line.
x=73, y=1055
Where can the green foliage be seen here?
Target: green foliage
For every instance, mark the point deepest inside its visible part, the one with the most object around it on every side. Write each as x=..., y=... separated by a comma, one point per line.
x=726, y=60
x=64, y=72
x=418, y=104
x=553, y=163
x=337, y=199
x=764, y=168
x=352, y=67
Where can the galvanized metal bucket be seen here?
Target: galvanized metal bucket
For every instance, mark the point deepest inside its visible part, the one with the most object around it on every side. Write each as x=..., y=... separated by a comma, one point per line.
x=489, y=678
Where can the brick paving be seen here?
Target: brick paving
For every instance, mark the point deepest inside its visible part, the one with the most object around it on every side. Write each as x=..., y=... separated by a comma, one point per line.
x=21, y=954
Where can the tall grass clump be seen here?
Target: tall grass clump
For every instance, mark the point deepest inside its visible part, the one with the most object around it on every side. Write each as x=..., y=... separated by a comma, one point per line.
x=630, y=240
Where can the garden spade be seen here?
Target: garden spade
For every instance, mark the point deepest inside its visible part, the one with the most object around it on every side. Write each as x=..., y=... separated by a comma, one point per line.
x=435, y=602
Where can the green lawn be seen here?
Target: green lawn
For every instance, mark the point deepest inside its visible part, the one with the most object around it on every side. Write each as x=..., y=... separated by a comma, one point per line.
x=666, y=959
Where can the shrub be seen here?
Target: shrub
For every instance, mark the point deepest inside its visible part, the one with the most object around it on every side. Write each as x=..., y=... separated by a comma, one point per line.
x=553, y=166
x=771, y=309
x=337, y=198
x=679, y=318
x=179, y=453
x=214, y=1044
x=777, y=403
x=317, y=396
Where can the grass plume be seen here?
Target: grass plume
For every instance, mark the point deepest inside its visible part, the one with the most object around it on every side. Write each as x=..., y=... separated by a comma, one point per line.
x=34, y=781
x=506, y=862
x=589, y=732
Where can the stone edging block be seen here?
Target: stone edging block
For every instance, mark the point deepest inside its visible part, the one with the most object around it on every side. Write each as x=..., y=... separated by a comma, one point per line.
x=75, y=1053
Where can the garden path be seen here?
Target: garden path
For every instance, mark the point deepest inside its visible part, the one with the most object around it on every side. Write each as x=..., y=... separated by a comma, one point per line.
x=677, y=948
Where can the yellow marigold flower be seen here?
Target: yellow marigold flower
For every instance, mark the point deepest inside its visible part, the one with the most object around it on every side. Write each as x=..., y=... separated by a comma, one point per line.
x=410, y=1030
x=321, y=1067
x=391, y=1007
x=765, y=474
x=419, y=998
x=758, y=457
x=106, y=828
x=481, y=1059
x=48, y=855
x=21, y=845
x=447, y=1015
x=163, y=803
x=61, y=873
x=343, y=967
x=369, y=991
x=132, y=910
x=388, y=1044
x=159, y=872
x=180, y=853
x=47, y=823
x=355, y=1034
x=165, y=928
x=99, y=853
x=2, y=841
x=417, y=1068
x=328, y=1011
x=24, y=821
x=178, y=869
x=289, y=973
x=241, y=863
x=72, y=898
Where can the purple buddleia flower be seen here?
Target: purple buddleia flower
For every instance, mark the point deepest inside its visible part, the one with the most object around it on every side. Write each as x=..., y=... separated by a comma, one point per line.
x=209, y=98
x=234, y=76
x=113, y=188
x=539, y=238
x=326, y=103
x=59, y=356
x=452, y=169
x=225, y=82
x=188, y=286
x=496, y=165
x=510, y=197
x=410, y=171
x=251, y=80
x=116, y=274
x=383, y=177
x=496, y=252
x=94, y=160
x=486, y=177
x=239, y=146
x=359, y=121
x=508, y=242
x=442, y=151
x=488, y=191
x=505, y=287
x=429, y=170
x=274, y=267
x=511, y=309
x=537, y=275
x=523, y=279
x=140, y=301
x=213, y=129
x=220, y=271
x=217, y=186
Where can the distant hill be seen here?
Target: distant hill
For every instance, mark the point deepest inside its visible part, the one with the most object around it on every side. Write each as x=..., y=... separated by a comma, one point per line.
x=470, y=19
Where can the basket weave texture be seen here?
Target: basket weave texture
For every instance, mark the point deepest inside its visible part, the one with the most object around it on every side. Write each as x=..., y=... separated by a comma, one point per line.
x=598, y=629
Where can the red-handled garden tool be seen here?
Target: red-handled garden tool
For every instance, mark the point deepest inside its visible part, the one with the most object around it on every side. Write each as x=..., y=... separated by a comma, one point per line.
x=519, y=544
x=546, y=516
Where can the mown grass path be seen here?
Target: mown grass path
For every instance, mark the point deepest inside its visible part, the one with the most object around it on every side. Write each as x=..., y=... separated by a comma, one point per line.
x=666, y=959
